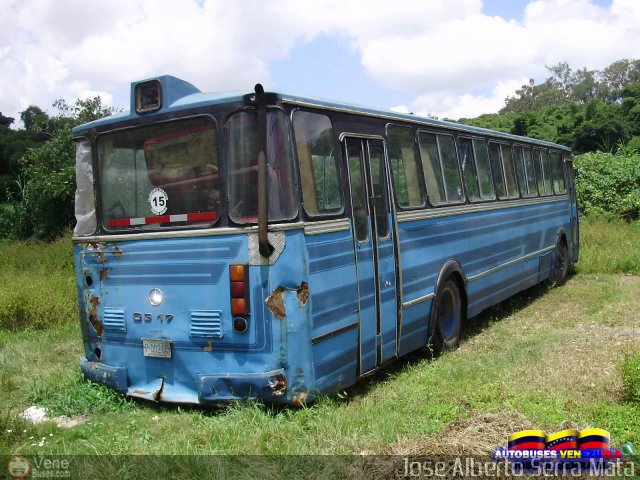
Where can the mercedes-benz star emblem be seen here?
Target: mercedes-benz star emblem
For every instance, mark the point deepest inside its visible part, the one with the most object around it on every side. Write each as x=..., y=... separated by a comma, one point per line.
x=155, y=297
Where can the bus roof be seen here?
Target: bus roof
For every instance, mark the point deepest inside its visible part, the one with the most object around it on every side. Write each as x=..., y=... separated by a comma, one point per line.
x=180, y=95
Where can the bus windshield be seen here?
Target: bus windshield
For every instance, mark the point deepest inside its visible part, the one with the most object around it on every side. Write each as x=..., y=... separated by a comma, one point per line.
x=163, y=175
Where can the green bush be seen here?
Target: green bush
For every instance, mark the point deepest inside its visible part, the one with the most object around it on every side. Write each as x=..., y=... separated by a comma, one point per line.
x=48, y=193
x=609, y=183
x=631, y=378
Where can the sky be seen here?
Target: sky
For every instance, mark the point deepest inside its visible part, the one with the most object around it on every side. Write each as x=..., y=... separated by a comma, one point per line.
x=444, y=58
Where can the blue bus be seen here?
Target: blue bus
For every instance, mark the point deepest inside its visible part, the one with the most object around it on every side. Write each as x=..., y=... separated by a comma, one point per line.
x=266, y=246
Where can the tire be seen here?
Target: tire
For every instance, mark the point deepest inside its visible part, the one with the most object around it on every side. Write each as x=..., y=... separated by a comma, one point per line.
x=560, y=268
x=446, y=316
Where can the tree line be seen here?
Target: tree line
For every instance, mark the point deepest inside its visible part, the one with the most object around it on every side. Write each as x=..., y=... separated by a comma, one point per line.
x=587, y=110
x=37, y=168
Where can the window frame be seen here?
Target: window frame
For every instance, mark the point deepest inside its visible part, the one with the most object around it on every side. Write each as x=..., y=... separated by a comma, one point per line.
x=294, y=167
x=500, y=143
x=453, y=134
x=337, y=148
x=475, y=162
x=525, y=171
x=98, y=175
x=416, y=149
x=553, y=177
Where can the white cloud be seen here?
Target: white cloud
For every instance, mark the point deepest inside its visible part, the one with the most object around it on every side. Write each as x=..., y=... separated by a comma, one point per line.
x=442, y=53
x=448, y=104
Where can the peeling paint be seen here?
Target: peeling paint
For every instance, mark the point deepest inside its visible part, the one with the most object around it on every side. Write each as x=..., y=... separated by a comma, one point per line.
x=101, y=257
x=303, y=293
x=275, y=303
x=278, y=385
x=118, y=254
x=209, y=346
x=93, y=315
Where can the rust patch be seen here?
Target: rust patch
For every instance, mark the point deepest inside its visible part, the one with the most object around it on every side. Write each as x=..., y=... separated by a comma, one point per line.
x=157, y=396
x=103, y=273
x=275, y=303
x=117, y=254
x=93, y=315
x=209, y=346
x=101, y=257
x=303, y=293
x=278, y=385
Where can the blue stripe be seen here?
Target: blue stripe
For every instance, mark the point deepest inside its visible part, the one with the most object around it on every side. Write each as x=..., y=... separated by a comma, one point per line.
x=330, y=248
x=331, y=263
x=167, y=274
x=330, y=365
x=446, y=232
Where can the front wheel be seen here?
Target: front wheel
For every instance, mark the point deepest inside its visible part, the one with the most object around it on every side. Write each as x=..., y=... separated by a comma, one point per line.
x=446, y=316
x=560, y=269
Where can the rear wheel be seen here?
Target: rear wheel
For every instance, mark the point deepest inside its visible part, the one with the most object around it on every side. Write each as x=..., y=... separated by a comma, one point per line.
x=446, y=316
x=560, y=269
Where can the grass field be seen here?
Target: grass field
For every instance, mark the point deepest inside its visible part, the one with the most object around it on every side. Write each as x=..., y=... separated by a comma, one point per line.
x=550, y=358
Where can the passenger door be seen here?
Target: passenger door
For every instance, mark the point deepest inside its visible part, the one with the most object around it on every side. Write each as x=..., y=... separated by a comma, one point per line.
x=372, y=224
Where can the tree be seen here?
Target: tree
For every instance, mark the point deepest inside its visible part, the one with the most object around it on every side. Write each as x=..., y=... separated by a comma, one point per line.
x=33, y=117
x=5, y=121
x=44, y=204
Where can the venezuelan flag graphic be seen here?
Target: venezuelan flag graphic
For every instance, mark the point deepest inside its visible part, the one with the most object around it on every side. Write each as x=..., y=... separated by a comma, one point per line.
x=526, y=440
x=594, y=439
x=564, y=440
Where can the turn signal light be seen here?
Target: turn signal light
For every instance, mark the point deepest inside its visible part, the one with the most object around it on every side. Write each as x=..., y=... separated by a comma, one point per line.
x=236, y=273
x=239, y=289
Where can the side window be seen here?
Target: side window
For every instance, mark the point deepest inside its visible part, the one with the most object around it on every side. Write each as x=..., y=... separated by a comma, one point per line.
x=546, y=168
x=439, y=156
x=451, y=173
x=484, y=169
x=509, y=171
x=542, y=162
x=524, y=169
x=530, y=172
x=376, y=157
x=318, y=165
x=242, y=161
x=358, y=191
x=431, y=167
x=468, y=166
x=558, y=173
x=403, y=160
x=495, y=156
x=518, y=159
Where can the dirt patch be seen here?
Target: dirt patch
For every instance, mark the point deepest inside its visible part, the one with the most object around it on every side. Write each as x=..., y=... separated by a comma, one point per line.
x=474, y=436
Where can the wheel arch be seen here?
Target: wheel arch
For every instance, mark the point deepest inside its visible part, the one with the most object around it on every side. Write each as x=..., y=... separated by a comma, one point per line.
x=450, y=269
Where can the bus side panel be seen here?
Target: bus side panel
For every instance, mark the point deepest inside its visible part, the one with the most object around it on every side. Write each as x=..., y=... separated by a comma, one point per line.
x=480, y=242
x=334, y=310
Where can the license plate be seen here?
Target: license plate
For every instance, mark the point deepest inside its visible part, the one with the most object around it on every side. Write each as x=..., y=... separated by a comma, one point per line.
x=159, y=348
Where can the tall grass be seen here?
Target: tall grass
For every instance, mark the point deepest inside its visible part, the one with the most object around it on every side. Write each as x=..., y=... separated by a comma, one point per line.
x=37, y=284
x=609, y=245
